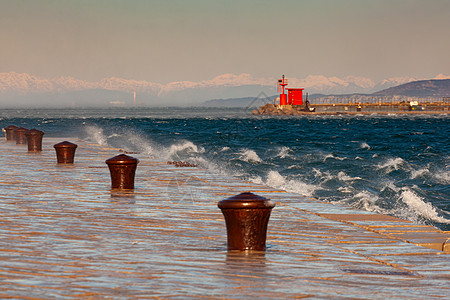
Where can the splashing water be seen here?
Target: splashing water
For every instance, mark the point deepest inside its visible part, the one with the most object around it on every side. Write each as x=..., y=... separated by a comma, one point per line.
x=248, y=155
x=419, y=207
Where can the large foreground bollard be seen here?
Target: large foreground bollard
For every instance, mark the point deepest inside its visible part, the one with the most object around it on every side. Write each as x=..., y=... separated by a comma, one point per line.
x=246, y=217
x=21, y=139
x=9, y=133
x=34, y=140
x=122, y=168
x=65, y=152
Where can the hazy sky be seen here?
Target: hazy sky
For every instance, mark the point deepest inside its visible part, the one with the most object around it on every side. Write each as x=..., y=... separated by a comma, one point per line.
x=164, y=41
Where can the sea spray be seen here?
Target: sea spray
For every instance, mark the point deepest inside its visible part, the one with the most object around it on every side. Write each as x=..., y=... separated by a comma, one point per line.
x=250, y=156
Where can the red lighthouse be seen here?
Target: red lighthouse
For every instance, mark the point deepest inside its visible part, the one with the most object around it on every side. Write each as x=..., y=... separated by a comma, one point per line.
x=294, y=96
x=282, y=83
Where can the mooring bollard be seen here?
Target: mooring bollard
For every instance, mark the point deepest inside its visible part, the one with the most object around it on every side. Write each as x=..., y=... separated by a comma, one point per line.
x=246, y=218
x=9, y=133
x=34, y=140
x=21, y=139
x=65, y=152
x=122, y=168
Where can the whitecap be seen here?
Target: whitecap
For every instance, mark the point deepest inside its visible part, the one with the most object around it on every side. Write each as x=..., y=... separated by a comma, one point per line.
x=284, y=152
x=367, y=201
x=419, y=173
x=346, y=189
x=364, y=145
x=391, y=164
x=186, y=146
x=249, y=155
x=276, y=180
x=420, y=207
x=332, y=156
x=442, y=176
x=342, y=176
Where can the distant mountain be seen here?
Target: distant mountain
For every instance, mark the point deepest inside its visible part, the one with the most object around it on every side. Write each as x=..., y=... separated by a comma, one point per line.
x=27, y=90
x=422, y=88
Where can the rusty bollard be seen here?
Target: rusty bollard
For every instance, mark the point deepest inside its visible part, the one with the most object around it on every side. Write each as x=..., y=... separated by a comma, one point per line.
x=65, y=152
x=246, y=217
x=21, y=139
x=34, y=140
x=9, y=133
x=122, y=168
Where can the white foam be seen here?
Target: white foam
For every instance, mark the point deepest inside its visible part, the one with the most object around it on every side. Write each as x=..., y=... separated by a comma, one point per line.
x=443, y=176
x=391, y=164
x=332, y=156
x=346, y=189
x=367, y=201
x=276, y=180
x=364, y=145
x=342, y=176
x=420, y=207
x=419, y=173
x=284, y=152
x=187, y=147
x=249, y=155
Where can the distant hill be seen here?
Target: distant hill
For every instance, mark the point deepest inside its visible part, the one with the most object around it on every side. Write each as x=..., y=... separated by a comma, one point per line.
x=422, y=88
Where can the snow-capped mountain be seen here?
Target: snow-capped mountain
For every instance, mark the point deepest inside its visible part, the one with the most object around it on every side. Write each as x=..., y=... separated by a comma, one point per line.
x=21, y=88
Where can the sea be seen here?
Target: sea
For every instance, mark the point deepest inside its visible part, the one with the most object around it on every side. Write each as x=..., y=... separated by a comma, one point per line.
x=392, y=164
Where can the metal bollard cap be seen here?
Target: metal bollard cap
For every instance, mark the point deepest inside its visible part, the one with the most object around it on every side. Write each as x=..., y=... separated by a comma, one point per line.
x=122, y=159
x=10, y=127
x=34, y=132
x=65, y=144
x=21, y=129
x=246, y=200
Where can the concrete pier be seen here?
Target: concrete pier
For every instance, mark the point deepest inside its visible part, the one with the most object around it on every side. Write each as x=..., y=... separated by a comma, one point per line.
x=65, y=234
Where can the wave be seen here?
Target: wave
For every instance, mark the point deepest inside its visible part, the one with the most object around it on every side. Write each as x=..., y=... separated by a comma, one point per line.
x=364, y=145
x=419, y=207
x=443, y=177
x=276, y=180
x=333, y=157
x=284, y=152
x=182, y=149
x=344, y=177
x=249, y=155
x=132, y=141
x=391, y=164
x=419, y=173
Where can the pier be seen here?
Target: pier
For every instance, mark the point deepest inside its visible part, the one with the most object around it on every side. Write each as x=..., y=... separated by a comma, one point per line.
x=66, y=234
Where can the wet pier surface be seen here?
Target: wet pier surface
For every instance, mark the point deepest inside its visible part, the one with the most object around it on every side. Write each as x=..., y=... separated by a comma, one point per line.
x=65, y=234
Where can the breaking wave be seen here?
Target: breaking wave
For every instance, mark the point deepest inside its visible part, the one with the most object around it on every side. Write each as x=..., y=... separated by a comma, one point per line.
x=420, y=208
x=248, y=155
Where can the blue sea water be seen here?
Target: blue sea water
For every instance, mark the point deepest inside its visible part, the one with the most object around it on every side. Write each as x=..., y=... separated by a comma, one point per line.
x=390, y=164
